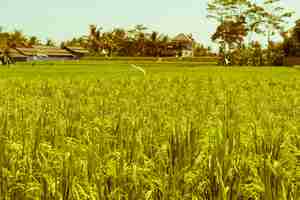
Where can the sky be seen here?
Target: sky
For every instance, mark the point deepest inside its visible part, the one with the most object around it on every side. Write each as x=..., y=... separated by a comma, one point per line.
x=64, y=19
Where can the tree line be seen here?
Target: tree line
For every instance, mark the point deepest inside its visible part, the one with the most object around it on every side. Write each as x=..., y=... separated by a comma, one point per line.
x=241, y=22
x=18, y=39
x=138, y=41
x=133, y=42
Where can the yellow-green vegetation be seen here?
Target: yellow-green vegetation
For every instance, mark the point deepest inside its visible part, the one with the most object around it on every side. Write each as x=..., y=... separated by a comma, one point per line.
x=109, y=132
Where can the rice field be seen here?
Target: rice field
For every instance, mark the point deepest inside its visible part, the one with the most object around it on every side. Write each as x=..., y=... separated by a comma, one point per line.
x=107, y=131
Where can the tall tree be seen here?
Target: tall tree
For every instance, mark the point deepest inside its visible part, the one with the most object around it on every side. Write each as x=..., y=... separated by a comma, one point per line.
x=231, y=30
x=266, y=18
x=154, y=43
x=226, y=10
x=120, y=41
x=164, y=42
x=94, y=39
x=108, y=41
x=138, y=36
x=230, y=35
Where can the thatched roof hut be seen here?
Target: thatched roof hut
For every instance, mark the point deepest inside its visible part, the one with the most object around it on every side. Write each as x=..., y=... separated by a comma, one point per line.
x=52, y=51
x=40, y=52
x=77, y=51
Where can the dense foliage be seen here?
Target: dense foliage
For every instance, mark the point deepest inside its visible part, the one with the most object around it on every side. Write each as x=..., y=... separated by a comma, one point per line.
x=138, y=41
x=193, y=133
x=291, y=42
x=240, y=20
x=255, y=55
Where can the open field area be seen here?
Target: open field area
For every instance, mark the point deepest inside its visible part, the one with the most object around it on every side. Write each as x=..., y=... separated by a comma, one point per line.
x=104, y=130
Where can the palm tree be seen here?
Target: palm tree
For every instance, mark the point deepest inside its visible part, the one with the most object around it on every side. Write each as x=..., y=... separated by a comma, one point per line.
x=108, y=42
x=119, y=40
x=154, y=43
x=94, y=39
x=164, y=42
x=137, y=36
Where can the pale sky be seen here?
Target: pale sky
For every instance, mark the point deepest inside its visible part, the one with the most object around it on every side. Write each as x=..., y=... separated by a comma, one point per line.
x=64, y=19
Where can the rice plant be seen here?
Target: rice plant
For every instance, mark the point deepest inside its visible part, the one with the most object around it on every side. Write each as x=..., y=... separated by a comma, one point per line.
x=203, y=137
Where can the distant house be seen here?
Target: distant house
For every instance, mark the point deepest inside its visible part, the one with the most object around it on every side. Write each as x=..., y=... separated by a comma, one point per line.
x=184, y=45
x=41, y=52
x=168, y=51
x=79, y=52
